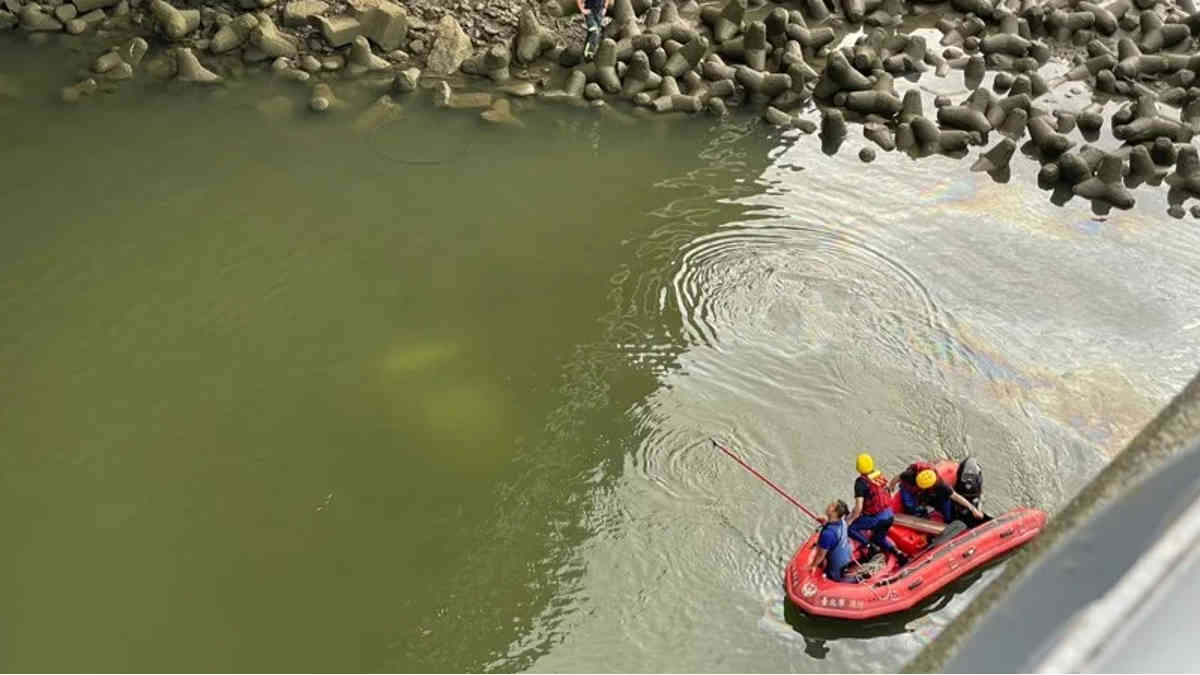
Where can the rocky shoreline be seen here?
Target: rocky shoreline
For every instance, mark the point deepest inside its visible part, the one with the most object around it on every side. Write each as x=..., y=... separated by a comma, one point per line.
x=811, y=65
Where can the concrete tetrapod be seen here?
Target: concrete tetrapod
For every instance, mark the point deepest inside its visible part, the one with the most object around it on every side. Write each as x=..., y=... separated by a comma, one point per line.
x=533, y=39
x=1105, y=185
x=189, y=69
x=725, y=22
x=1187, y=172
x=1142, y=168
x=997, y=158
x=363, y=60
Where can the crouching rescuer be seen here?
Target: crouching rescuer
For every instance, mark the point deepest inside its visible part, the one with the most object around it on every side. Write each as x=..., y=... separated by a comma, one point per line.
x=872, y=510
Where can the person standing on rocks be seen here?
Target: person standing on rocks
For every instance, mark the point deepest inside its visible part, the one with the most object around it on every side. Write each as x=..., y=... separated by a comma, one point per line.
x=593, y=17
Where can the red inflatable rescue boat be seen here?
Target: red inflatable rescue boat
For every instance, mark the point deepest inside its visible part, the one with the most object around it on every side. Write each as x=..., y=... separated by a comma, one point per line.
x=935, y=562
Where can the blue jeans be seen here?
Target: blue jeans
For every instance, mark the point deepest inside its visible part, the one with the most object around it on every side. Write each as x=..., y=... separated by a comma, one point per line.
x=912, y=504
x=878, y=524
x=595, y=25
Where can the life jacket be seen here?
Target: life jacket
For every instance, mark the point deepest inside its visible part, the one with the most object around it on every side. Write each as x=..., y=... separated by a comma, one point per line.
x=878, y=498
x=842, y=553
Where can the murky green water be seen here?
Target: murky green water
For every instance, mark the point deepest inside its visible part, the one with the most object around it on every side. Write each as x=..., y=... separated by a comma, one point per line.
x=280, y=394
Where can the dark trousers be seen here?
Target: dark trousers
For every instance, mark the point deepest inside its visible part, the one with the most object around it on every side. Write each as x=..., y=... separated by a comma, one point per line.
x=878, y=524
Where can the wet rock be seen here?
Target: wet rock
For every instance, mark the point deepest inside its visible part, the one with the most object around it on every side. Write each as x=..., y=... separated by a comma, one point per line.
x=272, y=42
x=189, y=69
x=106, y=62
x=293, y=75
x=380, y=113
x=384, y=23
x=297, y=13
x=593, y=91
x=717, y=107
x=34, y=19
x=85, y=6
x=532, y=38
x=1187, y=172
x=174, y=23
x=451, y=46
x=519, y=89
x=332, y=63
x=1105, y=185
x=276, y=108
x=65, y=13
x=323, y=98
x=866, y=155
x=501, y=113
x=997, y=158
x=406, y=80
x=310, y=63
x=161, y=66
x=495, y=63
x=234, y=34
x=75, y=92
x=119, y=72
x=340, y=31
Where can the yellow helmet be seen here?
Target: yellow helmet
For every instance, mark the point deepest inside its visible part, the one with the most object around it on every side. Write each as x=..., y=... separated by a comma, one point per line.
x=865, y=464
x=926, y=479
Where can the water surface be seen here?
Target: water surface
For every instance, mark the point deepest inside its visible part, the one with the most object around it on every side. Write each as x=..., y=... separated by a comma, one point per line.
x=283, y=394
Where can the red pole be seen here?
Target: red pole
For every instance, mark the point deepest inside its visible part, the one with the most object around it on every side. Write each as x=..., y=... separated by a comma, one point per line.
x=766, y=480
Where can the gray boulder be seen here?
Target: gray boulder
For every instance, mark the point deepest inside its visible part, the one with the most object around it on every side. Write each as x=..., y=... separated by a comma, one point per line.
x=451, y=46
x=385, y=23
